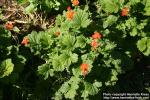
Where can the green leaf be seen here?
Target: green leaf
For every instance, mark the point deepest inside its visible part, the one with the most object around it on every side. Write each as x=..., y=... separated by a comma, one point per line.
x=6, y=68
x=85, y=94
x=64, y=88
x=65, y=26
x=114, y=75
x=34, y=42
x=45, y=39
x=70, y=94
x=76, y=71
x=141, y=44
x=147, y=52
x=133, y=2
x=45, y=70
x=144, y=46
x=65, y=59
x=81, y=19
x=59, y=20
x=148, y=89
x=133, y=32
x=69, y=88
x=113, y=79
x=57, y=64
x=110, y=46
x=97, y=84
x=52, y=4
x=74, y=80
x=39, y=41
x=147, y=8
x=91, y=89
x=16, y=29
x=74, y=85
x=68, y=41
x=74, y=58
x=110, y=6
x=81, y=41
x=31, y=8
x=9, y=49
x=131, y=23
x=111, y=19
x=58, y=96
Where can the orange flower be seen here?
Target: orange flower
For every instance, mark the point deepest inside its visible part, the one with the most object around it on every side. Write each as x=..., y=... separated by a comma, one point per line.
x=57, y=33
x=9, y=25
x=68, y=8
x=94, y=44
x=25, y=41
x=96, y=35
x=84, y=68
x=75, y=2
x=124, y=11
x=70, y=15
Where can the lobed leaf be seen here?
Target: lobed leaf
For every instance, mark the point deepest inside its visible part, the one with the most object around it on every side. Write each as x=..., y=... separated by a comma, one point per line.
x=6, y=68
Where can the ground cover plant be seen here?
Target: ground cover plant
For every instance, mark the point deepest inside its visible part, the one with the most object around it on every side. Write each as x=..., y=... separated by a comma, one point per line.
x=73, y=49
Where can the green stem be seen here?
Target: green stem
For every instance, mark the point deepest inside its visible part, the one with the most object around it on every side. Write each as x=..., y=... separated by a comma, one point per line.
x=86, y=2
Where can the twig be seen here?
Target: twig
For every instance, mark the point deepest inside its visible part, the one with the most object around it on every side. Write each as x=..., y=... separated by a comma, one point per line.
x=7, y=16
x=21, y=22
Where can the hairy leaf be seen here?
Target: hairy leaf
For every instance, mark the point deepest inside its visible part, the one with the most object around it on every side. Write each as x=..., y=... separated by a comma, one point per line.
x=45, y=70
x=109, y=21
x=81, y=19
x=6, y=68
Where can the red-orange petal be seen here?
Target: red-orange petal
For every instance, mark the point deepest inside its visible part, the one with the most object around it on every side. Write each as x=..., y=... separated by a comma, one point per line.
x=84, y=68
x=9, y=26
x=25, y=41
x=125, y=11
x=69, y=15
x=57, y=33
x=96, y=35
x=94, y=44
x=68, y=8
x=75, y=2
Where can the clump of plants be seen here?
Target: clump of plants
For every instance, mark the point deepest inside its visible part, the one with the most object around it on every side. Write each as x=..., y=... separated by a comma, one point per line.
x=87, y=46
